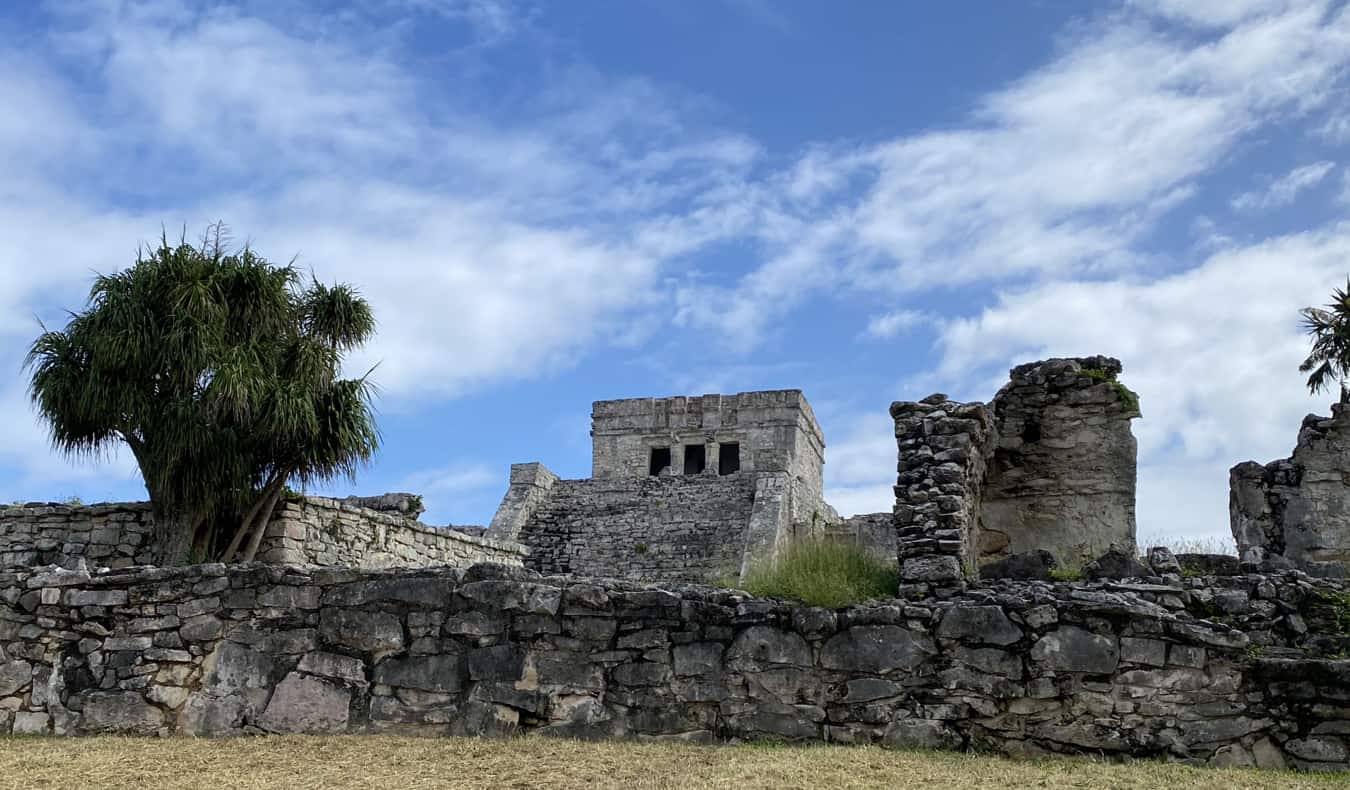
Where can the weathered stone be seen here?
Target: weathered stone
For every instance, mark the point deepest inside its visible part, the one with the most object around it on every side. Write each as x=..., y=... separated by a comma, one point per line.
x=920, y=734
x=760, y=646
x=440, y=673
x=876, y=649
x=372, y=632
x=1062, y=475
x=15, y=676
x=303, y=704
x=979, y=624
x=1116, y=564
x=1075, y=650
x=331, y=665
x=124, y=713
x=1025, y=565
x=697, y=659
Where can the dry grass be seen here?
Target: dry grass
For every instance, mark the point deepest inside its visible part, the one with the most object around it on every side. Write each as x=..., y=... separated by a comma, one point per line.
x=410, y=763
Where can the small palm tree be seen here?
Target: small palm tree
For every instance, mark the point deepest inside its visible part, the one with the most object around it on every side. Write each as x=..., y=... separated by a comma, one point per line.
x=220, y=374
x=1329, y=360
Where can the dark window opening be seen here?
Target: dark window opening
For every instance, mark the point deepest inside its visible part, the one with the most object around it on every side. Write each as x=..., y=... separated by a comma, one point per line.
x=695, y=459
x=728, y=459
x=660, y=461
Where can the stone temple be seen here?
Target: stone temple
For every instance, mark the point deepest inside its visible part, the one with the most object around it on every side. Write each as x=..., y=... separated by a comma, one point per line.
x=683, y=487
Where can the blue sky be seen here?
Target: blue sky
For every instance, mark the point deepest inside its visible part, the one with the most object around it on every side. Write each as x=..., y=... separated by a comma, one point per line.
x=551, y=203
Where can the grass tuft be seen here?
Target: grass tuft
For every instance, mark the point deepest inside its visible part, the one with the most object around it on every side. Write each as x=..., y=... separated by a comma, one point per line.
x=823, y=572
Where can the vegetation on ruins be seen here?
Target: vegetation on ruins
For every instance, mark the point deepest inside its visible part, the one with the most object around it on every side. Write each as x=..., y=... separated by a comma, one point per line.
x=823, y=572
x=1328, y=362
x=220, y=373
x=1127, y=396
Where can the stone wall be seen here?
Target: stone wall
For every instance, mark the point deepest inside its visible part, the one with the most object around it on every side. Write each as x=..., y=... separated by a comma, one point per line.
x=1297, y=509
x=943, y=449
x=331, y=532
x=1047, y=470
x=309, y=530
x=874, y=533
x=693, y=527
x=1143, y=669
x=112, y=535
x=1062, y=477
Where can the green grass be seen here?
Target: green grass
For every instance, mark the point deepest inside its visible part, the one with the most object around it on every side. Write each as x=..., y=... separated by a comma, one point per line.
x=1127, y=396
x=822, y=572
x=1066, y=574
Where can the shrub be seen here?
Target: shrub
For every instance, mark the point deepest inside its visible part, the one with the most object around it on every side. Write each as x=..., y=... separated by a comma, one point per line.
x=1127, y=396
x=1066, y=574
x=823, y=572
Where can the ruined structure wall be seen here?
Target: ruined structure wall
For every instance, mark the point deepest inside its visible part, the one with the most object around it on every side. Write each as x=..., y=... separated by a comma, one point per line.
x=874, y=533
x=319, y=531
x=112, y=535
x=311, y=530
x=678, y=527
x=943, y=446
x=1298, y=508
x=1022, y=669
x=1062, y=476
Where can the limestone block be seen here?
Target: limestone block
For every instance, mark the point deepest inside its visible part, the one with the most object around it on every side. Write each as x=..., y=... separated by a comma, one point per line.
x=304, y=704
x=1073, y=649
x=121, y=712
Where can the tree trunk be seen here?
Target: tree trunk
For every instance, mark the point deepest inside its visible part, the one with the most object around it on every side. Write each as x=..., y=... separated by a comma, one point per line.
x=174, y=535
x=264, y=518
x=251, y=518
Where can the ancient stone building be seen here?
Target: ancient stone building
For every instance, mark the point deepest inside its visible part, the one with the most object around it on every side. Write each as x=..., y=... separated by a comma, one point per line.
x=1048, y=466
x=683, y=487
x=1298, y=508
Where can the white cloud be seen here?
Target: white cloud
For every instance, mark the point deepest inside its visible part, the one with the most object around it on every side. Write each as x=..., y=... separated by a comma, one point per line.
x=1058, y=175
x=888, y=325
x=1285, y=189
x=1212, y=13
x=860, y=465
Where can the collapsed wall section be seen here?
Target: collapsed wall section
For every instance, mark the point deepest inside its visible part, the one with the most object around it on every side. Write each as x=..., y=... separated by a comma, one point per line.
x=685, y=527
x=1063, y=472
x=1297, y=509
x=1022, y=668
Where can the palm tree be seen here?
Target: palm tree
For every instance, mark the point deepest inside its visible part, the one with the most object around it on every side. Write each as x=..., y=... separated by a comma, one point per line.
x=220, y=374
x=1329, y=359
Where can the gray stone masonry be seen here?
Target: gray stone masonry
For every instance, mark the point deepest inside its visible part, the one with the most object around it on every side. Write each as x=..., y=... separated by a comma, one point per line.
x=1297, y=509
x=318, y=531
x=1219, y=671
x=633, y=520
x=643, y=527
x=943, y=446
x=112, y=535
x=1048, y=466
x=775, y=431
x=1062, y=477
x=308, y=530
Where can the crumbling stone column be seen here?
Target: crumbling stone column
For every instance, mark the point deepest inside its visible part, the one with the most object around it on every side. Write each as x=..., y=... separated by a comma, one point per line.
x=1062, y=478
x=1298, y=508
x=943, y=445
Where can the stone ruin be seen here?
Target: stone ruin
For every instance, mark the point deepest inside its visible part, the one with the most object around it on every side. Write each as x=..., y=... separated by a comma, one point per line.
x=1296, y=511
x=363, y=620
x=692, y=488
x=1044, y=475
